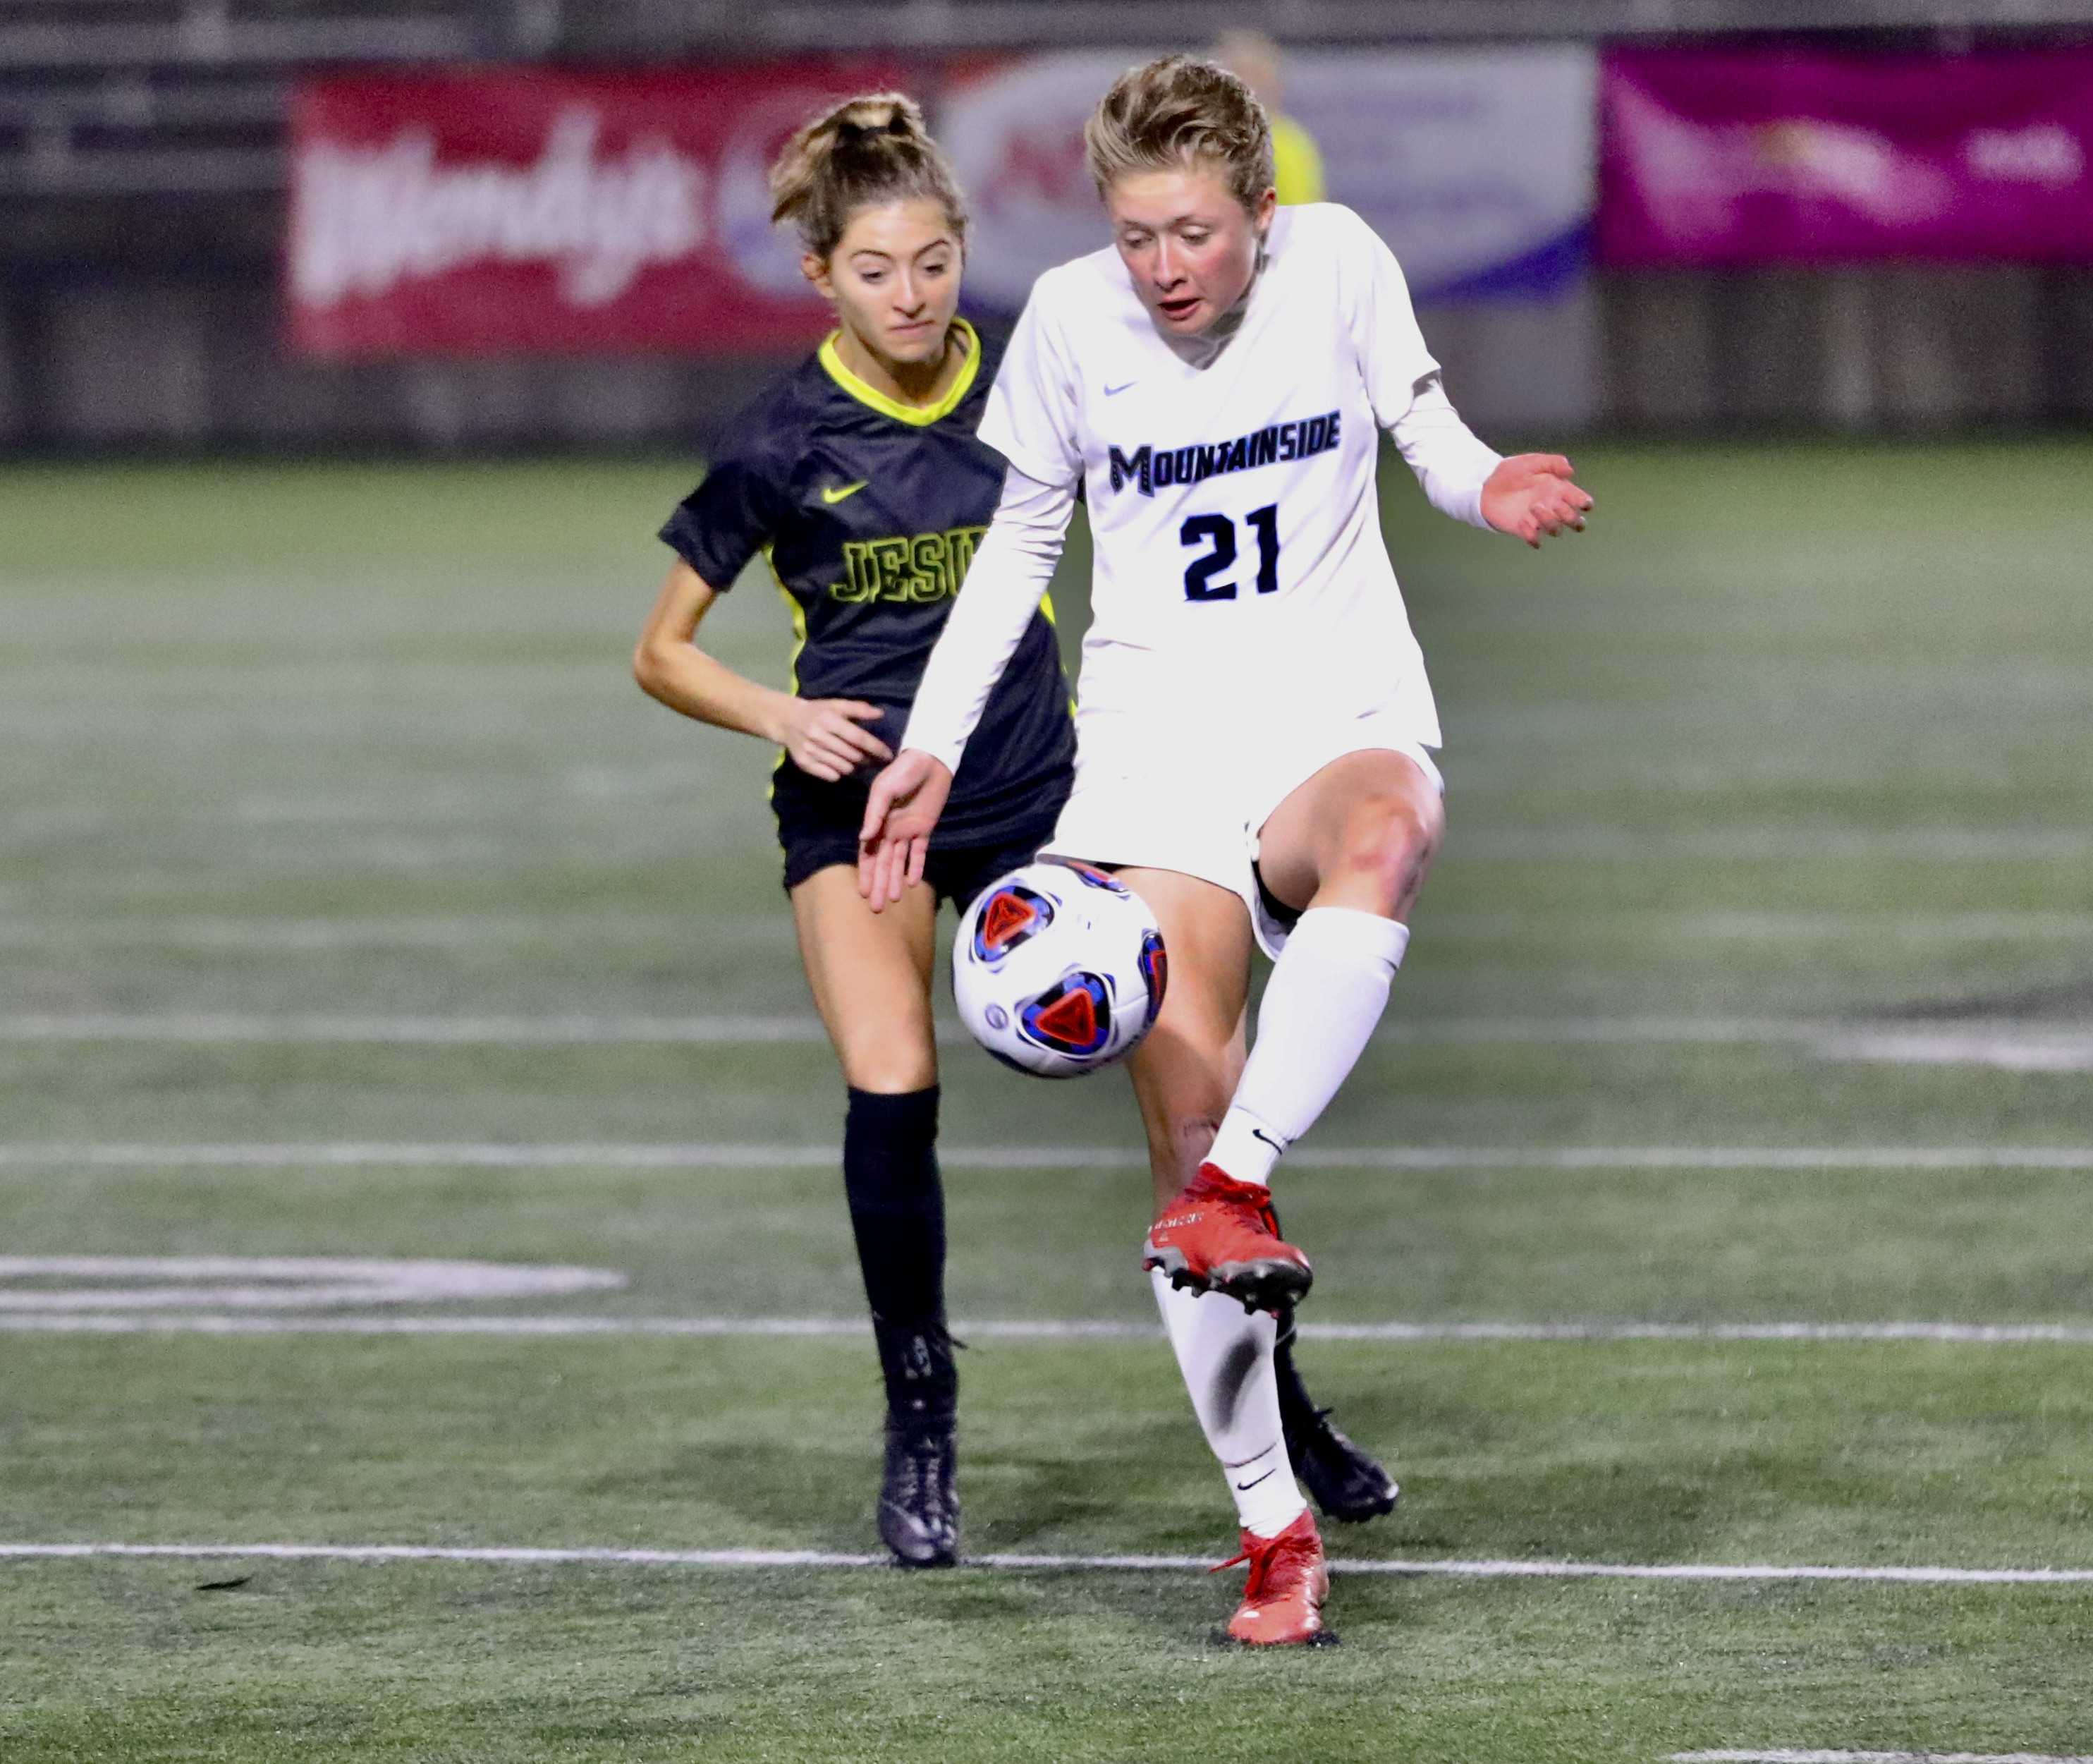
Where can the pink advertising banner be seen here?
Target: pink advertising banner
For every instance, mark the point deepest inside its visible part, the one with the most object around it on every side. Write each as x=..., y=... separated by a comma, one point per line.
x=1745, y=156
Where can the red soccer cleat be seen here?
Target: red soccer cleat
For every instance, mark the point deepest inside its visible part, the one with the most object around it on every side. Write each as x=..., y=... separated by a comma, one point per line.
x=1218, y=1236
x=1282, y=1602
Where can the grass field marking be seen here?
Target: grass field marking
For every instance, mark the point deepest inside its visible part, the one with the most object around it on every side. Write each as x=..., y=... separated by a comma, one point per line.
x=1987, y=1040
x=1790, y=1755
x=2025, y=1049
x=230, y=1028
x=1781, y=844
x=88, y=1322
x=156, y=1283
x=2009, y=1045
x=1052, y=1564
x=1782, y=841
x=621, y=1155
x=573, y=1030
x=292, y=935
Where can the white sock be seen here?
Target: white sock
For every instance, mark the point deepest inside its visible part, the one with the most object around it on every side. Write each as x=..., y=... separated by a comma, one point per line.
x=1327, y=992
x=1226, y=1357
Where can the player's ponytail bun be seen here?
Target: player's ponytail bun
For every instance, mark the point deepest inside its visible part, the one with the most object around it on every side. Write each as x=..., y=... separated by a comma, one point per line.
x=1172, y=113
x=868, y=151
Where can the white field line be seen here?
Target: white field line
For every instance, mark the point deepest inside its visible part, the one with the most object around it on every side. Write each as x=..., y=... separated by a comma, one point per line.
x=2007, y=1044
x=2027, y=1048
x=569, y=1029
x=1790, y=1755
x=707, y=1155
x=158, y=1283
x=1782, y=843
x=211, y=1028
x=154, y=930
x=81, y=1320
x=1135, y=1564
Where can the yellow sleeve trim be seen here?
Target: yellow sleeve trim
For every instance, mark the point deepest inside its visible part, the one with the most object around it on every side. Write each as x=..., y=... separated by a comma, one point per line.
x=791, y=667
x=916, y=416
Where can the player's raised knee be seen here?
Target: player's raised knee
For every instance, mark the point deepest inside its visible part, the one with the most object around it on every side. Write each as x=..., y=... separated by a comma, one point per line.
x=1391, y=840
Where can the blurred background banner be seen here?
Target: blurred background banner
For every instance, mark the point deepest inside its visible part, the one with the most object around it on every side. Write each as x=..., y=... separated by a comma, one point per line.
x=531, y=226
x=507, y=211
x=1714, y=156
x=1476, y=166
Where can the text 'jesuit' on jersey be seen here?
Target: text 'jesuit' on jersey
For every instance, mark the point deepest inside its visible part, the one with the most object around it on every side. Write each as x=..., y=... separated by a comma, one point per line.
x=869, y=512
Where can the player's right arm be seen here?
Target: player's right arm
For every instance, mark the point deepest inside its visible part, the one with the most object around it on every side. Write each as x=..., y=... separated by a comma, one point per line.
x=1004, y=584
x=1031, y=420
x=821, y=736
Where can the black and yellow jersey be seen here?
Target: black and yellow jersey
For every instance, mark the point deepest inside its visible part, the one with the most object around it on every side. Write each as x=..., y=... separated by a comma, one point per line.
x=869, y=511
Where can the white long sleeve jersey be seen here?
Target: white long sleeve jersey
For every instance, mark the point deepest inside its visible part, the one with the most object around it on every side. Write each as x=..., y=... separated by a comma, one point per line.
x=1240, y=580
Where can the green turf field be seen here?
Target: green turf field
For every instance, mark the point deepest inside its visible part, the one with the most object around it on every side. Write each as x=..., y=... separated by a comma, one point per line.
x=355, y=904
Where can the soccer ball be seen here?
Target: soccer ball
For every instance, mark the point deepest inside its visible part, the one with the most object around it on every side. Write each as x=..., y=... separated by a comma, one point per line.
x=1058, y=969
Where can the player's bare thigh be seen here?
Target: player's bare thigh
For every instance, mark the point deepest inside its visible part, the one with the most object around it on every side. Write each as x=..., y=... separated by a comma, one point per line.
x=1186, y=1070
x=1360, y=833
x=870, y=973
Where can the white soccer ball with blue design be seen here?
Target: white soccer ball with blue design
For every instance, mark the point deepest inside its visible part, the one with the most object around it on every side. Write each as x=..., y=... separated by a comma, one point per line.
x=1058, y=969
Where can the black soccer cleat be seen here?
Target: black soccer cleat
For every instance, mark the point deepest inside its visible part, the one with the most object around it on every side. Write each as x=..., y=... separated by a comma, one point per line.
x=1344, y=1482
x=919, y=1510
x=1347, y=1484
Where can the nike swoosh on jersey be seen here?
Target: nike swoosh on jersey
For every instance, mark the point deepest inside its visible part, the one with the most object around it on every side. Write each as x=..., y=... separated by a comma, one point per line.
x=837, y=494
x=1113, y=391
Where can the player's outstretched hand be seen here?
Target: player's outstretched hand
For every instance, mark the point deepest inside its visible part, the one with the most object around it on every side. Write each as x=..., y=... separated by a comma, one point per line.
x=1532, y=496
x=906, y=800
x=823, y=738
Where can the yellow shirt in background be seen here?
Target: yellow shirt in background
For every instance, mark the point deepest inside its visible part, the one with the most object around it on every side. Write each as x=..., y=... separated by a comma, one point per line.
x=1297, y=164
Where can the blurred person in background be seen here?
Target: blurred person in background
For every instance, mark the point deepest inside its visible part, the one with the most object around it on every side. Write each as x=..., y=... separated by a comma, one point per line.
x=1297, y=163
x=858, y=477
x=1255, y=725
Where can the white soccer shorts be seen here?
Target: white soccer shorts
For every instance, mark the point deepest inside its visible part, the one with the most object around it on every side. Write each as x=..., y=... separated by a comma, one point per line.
x=1193, y=800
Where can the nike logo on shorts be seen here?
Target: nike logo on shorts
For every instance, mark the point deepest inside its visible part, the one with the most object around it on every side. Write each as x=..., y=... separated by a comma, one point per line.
x=836, y=495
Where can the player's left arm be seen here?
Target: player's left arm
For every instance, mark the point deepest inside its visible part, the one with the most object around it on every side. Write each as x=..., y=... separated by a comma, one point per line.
x=1534, y=496
x=1530, y=496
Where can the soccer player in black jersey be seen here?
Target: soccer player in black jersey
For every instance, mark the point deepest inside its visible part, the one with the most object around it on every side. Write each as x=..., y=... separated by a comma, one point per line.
x=859, y=478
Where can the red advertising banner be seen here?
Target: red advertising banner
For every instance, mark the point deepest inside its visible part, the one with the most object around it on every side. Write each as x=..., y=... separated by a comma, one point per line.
x=509, y=210
x=1741, y=156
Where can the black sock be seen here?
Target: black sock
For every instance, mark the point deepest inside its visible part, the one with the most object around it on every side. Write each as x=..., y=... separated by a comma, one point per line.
x=897, y=1209
x=1297, y=1408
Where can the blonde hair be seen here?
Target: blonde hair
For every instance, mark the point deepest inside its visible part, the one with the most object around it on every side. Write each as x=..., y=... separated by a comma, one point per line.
x=1178, y=112
x=867, y=151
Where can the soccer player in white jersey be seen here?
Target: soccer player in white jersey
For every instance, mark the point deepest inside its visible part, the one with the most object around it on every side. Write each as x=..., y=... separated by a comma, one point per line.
x=1254, y=727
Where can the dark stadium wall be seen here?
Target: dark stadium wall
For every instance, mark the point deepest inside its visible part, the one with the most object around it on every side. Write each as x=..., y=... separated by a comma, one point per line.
x=92, y=360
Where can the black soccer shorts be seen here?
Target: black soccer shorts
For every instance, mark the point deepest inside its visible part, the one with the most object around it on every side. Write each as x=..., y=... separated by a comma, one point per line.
x=818, y=824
